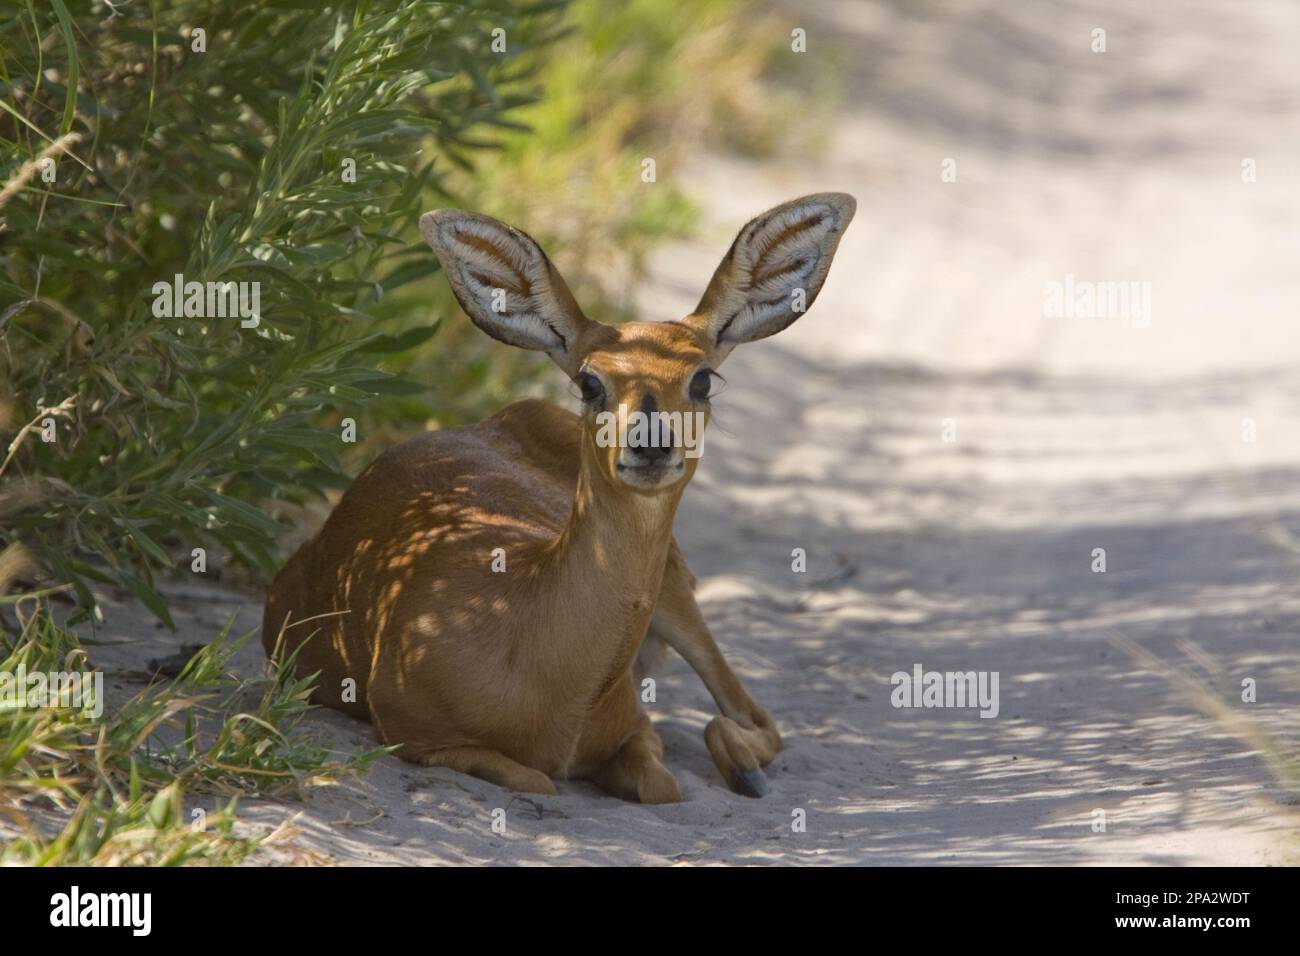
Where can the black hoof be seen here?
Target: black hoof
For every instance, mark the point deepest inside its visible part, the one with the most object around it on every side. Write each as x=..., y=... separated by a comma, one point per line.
x=750, y=783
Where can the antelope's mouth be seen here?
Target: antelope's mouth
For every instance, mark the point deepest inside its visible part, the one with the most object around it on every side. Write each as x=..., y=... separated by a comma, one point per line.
x=650, y=476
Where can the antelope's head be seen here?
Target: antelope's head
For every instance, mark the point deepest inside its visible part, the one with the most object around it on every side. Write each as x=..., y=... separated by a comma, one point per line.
x=645, y=385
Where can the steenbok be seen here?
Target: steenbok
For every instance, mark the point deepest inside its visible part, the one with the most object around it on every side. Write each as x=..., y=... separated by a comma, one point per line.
x=494, y=593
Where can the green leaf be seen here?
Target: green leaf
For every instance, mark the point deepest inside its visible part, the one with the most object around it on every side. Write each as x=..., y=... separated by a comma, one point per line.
x=391, y=386
x=70, y=43
x=147, y=596
x=161, y=807
x=387, y=344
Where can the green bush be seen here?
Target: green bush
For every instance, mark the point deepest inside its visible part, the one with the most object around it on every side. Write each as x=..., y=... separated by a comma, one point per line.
x=218, y=156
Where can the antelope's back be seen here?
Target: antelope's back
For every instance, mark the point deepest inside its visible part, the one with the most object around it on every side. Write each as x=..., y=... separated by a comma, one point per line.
x=414, y=536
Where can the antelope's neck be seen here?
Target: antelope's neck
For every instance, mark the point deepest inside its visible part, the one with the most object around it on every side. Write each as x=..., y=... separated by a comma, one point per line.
x=607, y=569
x=616, y=541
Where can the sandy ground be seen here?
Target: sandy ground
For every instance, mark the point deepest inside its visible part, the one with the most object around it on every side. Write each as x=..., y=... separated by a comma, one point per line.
x=975, y=554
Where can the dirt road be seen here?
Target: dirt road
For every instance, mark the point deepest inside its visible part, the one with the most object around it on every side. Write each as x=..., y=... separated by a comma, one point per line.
x=1171, y=439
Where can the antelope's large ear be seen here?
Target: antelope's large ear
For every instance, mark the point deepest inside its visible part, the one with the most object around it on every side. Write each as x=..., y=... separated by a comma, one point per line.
x=506, y=285
x=774, y=270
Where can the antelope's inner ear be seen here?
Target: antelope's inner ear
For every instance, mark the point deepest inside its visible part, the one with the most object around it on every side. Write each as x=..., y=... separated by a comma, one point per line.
x=506, y=284
x=773, y=271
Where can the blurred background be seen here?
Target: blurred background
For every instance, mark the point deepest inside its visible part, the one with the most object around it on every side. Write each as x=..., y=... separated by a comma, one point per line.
x=949, y=452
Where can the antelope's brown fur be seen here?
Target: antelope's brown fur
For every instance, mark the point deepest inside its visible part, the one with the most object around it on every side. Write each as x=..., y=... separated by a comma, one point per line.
x=527, y=675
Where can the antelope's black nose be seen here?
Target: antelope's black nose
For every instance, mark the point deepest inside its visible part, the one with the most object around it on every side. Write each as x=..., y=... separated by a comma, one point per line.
x=653, y=442
x=652, y=454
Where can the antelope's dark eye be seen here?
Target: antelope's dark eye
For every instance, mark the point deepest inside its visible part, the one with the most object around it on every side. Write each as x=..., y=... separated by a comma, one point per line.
x=592, y=390
x=701, y=384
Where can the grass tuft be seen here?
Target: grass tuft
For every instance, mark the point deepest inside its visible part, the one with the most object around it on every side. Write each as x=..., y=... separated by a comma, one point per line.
x=112, y=789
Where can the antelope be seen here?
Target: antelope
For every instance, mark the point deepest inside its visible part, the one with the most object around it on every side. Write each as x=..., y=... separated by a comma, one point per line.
x=495, y=593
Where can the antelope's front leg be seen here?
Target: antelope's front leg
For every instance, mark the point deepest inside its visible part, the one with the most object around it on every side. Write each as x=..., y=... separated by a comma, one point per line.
x=622, y=754
x=744, y=739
